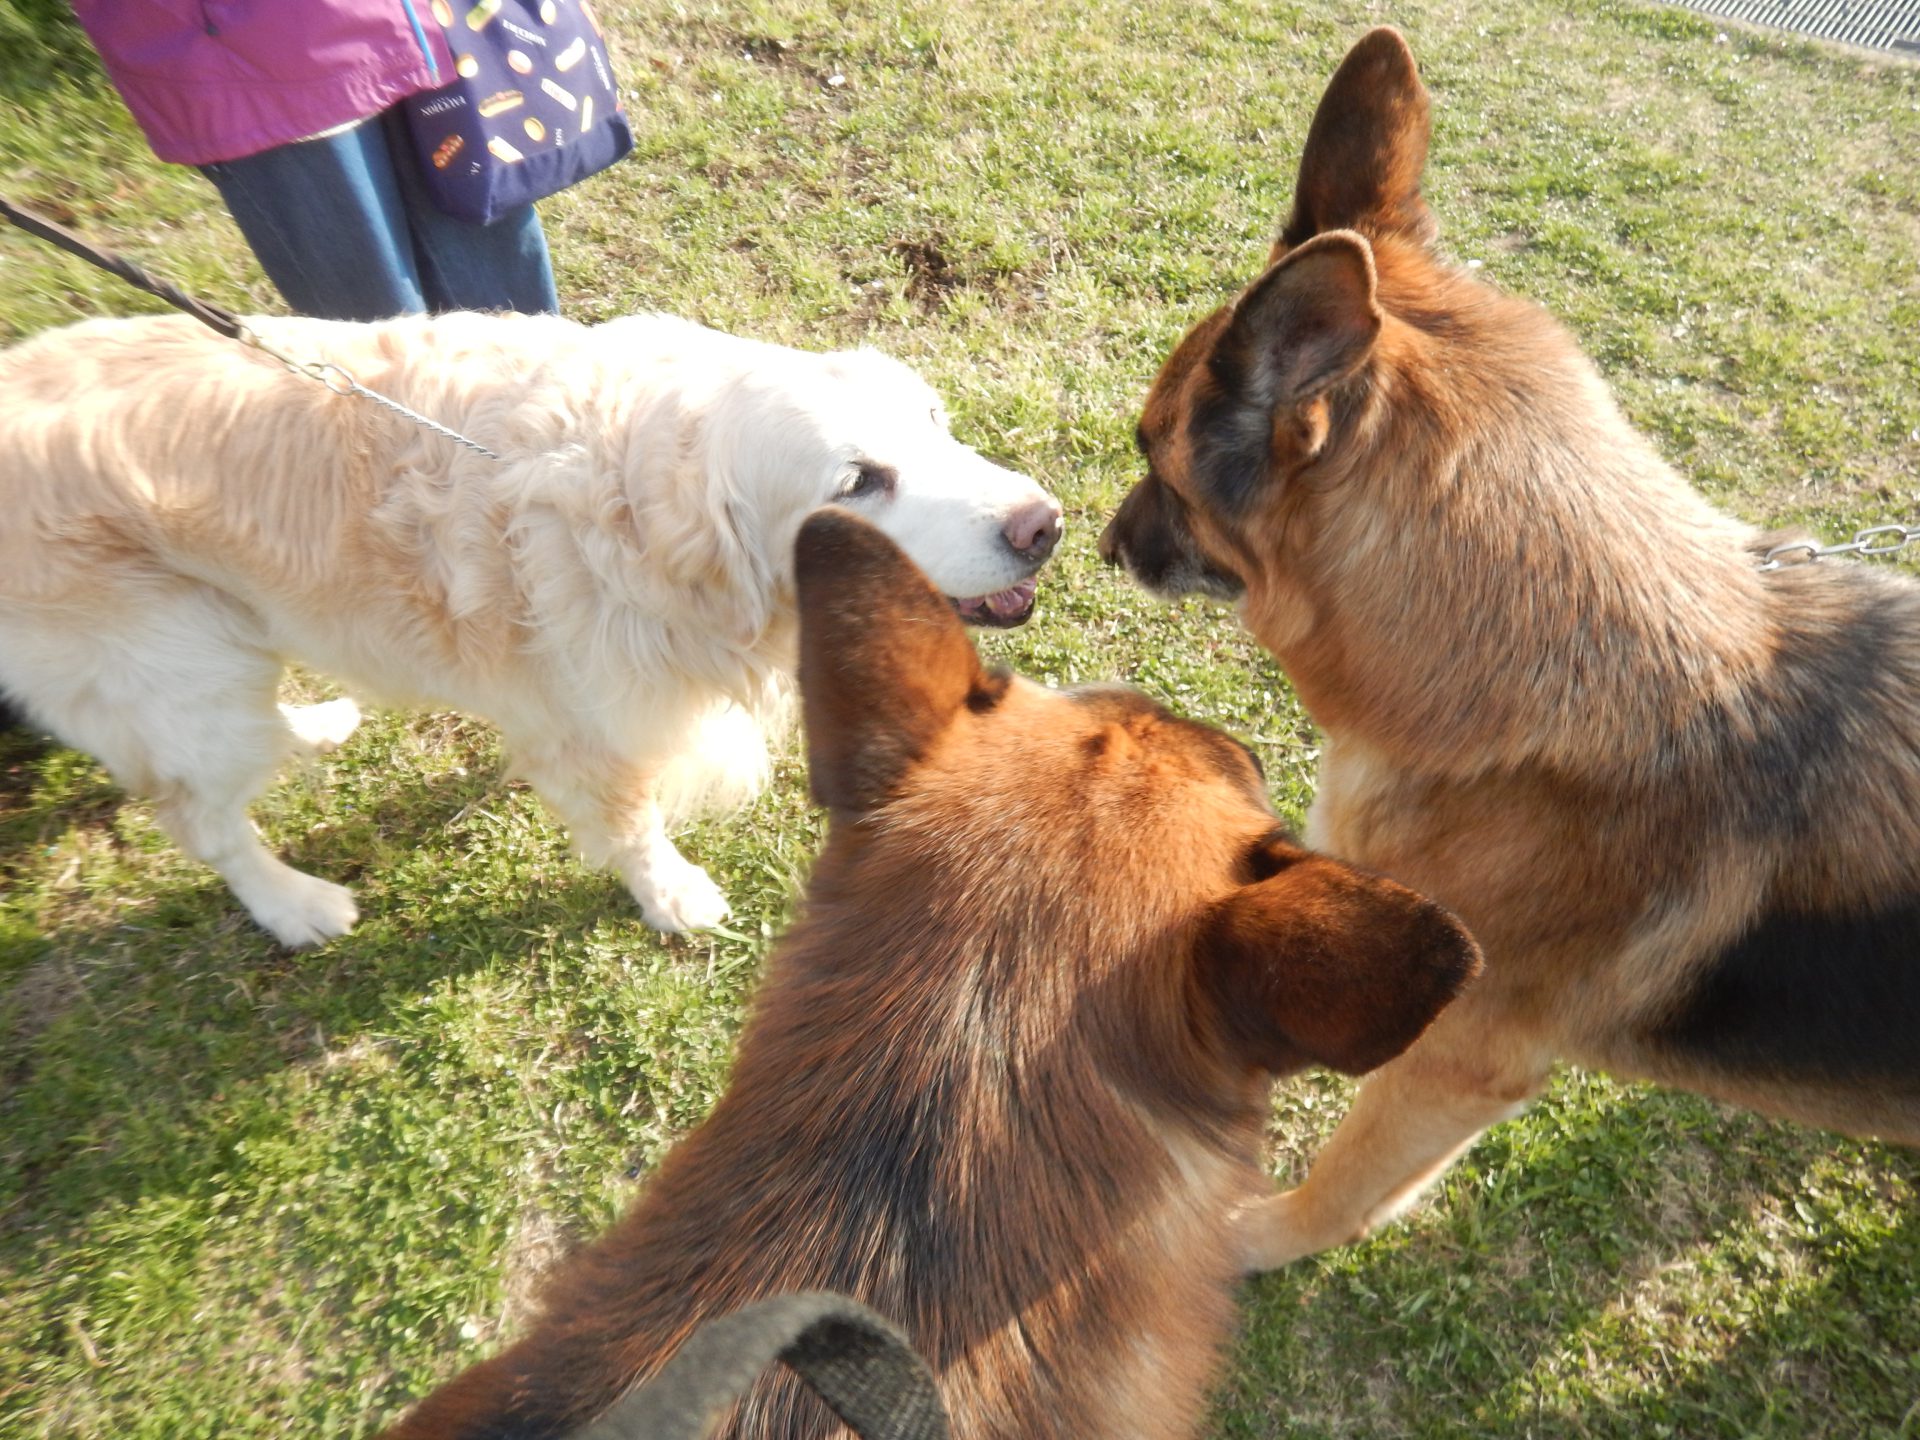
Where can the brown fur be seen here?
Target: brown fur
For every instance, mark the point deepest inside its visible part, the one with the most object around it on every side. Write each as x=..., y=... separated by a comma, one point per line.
x=1676, y=798
x=1006, y=1077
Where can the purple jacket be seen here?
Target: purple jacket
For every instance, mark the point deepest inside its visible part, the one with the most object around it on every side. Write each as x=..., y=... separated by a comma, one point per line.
x=218, y=79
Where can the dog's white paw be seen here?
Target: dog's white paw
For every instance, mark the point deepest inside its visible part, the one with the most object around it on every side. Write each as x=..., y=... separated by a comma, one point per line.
x=323, y=726
x=305, y=911
x=681, y=898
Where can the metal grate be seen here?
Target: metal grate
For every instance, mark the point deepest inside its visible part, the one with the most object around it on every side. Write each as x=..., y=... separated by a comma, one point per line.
x=1875, y=24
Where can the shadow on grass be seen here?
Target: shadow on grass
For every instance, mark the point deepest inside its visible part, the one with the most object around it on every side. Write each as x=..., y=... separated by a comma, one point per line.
x=1733, y=1270
x=20, y=740
x=124, y=1042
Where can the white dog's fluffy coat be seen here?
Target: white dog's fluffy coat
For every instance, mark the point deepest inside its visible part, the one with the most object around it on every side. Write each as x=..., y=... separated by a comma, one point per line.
x=179, y=515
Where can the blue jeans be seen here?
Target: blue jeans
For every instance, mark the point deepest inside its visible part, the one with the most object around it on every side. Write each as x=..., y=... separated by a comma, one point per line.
x=345, y=229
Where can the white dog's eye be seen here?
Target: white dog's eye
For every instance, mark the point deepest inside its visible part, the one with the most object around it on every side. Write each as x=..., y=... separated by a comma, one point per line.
x=869, y=479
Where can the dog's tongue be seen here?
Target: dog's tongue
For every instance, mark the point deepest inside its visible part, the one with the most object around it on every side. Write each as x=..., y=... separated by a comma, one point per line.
x=1003, y=604
x=1003, y=607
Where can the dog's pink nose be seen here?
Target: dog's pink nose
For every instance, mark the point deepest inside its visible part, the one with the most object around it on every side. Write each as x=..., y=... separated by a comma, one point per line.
x=1034, y=529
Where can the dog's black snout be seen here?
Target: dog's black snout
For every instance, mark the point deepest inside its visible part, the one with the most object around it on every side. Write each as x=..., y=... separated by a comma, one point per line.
x=1034, y=529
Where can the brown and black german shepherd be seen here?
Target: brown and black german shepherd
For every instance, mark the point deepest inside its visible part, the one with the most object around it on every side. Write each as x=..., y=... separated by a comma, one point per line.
x=1005, y=1080
x=1676, y=798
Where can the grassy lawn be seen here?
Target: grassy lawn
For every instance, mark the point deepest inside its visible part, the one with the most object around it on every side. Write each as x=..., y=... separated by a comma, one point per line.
x=243, y=1193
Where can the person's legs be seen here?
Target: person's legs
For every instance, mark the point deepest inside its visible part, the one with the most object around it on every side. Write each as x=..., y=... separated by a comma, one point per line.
x=464, y=266
x=325, y=219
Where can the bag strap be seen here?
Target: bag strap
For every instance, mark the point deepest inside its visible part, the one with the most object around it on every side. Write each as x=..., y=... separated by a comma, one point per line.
x=853, y=1359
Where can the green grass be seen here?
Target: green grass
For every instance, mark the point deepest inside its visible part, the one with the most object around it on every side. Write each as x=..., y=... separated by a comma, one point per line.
x=247, y=1193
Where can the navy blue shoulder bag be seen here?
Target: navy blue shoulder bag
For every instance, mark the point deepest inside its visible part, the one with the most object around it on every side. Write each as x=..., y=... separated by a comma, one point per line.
x=533, y=109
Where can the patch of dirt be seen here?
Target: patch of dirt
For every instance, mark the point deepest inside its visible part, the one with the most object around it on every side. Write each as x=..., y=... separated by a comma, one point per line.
x=779, y=54
x=43, y=993
x=766, y=49
x=1384, y=1390
x=931, y=276
x=722, y=173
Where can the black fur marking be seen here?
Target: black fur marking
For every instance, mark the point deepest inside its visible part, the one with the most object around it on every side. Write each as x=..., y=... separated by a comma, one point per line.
x=1156, y=545
x=989, y=690
x=1259, y=765
x=1811, y=996
x=1232, y=433
x=1266, y=860
x=1780, y=758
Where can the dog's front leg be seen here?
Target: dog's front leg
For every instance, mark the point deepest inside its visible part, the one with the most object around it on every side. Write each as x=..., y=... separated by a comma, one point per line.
x=674, y=893
x=210, y=824
x=1411, y=1119
x=609, y=805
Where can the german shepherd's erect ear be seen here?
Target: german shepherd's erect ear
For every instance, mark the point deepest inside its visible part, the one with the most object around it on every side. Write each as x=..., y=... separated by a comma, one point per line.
x=1309, y=322
x=1320, y=963
x=1361, y=166
x=885, y=664
x=1300, y=329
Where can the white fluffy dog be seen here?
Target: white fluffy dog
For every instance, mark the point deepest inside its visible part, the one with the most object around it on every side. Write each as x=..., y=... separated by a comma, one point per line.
x=180, y=516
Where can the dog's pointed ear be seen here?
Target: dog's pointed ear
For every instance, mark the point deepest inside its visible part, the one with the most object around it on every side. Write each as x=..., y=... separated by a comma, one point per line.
x=885, y=664
x=1305, y=325
x=1317, y=962
x=1365, y=149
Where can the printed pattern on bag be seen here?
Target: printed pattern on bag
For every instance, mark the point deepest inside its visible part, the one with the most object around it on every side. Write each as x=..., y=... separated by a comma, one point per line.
x=535, y=107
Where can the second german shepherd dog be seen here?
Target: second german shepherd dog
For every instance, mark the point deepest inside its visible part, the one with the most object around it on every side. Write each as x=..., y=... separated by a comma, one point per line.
x=1676, y=797
x=1005, y=1080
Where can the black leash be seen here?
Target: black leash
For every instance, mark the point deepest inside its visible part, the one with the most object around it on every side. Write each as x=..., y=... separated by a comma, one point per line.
x=854, y=1360
x=221, y=320
x=218, y=317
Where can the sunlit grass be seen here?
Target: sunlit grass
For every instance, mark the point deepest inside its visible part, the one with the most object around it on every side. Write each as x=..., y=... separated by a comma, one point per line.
x=247, y=1193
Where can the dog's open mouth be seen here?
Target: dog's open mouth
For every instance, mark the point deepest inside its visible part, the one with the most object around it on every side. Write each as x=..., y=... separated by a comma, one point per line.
x=1003, y=609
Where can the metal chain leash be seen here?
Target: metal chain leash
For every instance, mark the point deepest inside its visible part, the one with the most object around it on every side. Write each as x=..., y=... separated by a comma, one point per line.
x=340, y=382
x=1875, y=540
